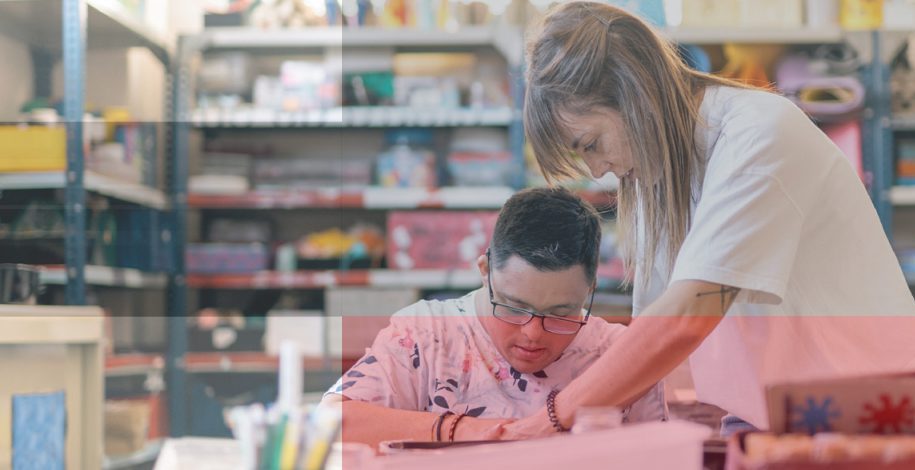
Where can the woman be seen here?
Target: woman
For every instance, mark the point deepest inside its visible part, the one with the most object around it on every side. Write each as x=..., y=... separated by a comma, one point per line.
x=755, y=249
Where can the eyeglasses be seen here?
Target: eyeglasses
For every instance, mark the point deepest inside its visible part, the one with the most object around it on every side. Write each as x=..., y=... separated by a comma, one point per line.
x=520, y=316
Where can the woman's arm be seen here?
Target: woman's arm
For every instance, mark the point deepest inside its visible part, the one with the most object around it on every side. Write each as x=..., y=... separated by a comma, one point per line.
x=372, y=424
x=661, y=338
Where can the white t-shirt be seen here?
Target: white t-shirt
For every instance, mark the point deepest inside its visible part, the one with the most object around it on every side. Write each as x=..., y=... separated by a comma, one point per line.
x=783, y=216
x=436, y=356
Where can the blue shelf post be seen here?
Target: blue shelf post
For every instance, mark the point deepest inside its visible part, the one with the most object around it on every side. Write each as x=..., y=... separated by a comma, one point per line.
x=178, y=175
x=74, y=51
x=516, y=128
x=877, y=135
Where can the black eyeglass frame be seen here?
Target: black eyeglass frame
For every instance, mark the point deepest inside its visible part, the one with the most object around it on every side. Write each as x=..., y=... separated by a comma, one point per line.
x=531, y=314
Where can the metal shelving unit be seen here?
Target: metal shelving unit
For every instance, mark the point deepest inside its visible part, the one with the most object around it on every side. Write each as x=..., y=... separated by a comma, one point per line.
x=505, y=41
x=64, y=30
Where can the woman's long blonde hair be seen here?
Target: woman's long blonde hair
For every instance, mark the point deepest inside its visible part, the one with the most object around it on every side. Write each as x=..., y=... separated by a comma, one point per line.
x=589, y=55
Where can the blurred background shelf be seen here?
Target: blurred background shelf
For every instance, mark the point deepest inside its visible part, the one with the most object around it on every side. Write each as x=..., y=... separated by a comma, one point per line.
x=903, y=123
x=93, y=182
x=110, y=25
x=902, y=195
x=753, y=35
x=353, y=116
x=464, y=279
x=373, y=198
x=245, y=362
x=133, y=364
x=505, y=39
x=107, y=276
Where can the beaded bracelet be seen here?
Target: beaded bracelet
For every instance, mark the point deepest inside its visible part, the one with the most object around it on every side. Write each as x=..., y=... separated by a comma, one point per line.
x=551, y=411
x=438, y=425
x=454, y=426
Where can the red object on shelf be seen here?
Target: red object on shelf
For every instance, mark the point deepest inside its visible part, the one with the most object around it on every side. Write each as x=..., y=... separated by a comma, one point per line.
x=281, y=199
x=253, y=361
x=438, y=240
x=133, y=360
x=280, y=280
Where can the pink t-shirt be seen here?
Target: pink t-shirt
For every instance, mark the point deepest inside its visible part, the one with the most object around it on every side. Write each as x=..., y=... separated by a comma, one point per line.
x=436, y=356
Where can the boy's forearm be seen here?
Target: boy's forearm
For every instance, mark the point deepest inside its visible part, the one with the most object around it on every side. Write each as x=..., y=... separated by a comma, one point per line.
x=372, y=424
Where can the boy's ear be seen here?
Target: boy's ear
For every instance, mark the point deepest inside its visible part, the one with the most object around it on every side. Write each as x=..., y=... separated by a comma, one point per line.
x=483, y=267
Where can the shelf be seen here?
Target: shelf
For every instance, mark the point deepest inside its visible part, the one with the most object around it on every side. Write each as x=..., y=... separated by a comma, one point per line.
x=506, y=40
x=109, y=26
x=424, y=278
x=364, y=198
x=902, y=195
x=903, y=123
x=106, y=276
x=133, y=364
x=374, y=198
x=93, y=182
x=319, y=279
x=249, y=362
x=748, y=35
x=147, y=454
x=352, y=116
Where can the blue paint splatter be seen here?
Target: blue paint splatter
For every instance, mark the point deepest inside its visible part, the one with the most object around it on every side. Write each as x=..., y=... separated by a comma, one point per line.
x=814, y=417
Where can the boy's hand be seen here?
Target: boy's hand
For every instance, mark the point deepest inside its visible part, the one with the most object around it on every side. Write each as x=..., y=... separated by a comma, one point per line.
x=480, y=429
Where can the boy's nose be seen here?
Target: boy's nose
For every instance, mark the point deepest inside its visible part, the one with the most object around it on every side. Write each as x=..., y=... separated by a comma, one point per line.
x=533, y=330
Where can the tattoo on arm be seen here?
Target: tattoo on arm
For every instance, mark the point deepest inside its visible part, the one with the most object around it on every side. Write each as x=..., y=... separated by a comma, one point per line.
x=727, y=294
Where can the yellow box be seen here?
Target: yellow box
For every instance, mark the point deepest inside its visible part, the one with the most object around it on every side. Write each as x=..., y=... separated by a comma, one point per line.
x=33, y=148
x=710, y=13
x=861, y=15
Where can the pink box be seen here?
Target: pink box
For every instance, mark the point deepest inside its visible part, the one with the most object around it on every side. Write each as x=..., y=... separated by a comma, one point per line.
x=438, y=239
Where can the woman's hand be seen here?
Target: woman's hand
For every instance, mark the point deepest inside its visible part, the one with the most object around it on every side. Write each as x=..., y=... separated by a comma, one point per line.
x=480, y=429
x=534, y=426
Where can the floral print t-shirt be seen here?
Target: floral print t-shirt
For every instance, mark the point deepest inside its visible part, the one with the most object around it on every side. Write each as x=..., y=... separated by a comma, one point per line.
x=437, y=356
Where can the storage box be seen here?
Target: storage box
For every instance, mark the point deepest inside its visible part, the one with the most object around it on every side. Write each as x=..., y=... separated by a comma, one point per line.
x=879, y=404
x=226, y=258
x=306, y=328
x=481, y=168
x=772, y=13
x=710, y=12
x=356, y=315
x=438, y=239
x=33, y=148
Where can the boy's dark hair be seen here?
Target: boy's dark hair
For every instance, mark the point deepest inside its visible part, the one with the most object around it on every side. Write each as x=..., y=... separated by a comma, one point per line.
x=549, y=228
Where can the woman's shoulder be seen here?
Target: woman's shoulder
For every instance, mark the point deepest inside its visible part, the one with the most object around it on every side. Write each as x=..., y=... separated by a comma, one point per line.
x=732, y=107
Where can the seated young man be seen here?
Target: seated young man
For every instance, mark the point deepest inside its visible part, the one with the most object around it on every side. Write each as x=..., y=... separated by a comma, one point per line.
x=495, y=354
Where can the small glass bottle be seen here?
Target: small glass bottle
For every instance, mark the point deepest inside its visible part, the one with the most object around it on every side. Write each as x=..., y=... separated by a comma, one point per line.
x=597, y=418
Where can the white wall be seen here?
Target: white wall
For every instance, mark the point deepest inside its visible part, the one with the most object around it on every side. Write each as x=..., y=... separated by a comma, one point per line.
x=15, y=77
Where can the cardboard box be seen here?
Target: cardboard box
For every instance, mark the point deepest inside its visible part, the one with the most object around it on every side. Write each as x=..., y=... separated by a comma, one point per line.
x=126, y=426
x=438, y=239
x=880, y=404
